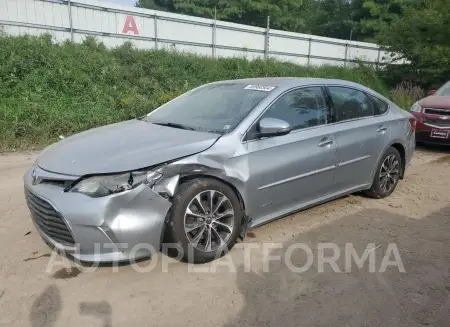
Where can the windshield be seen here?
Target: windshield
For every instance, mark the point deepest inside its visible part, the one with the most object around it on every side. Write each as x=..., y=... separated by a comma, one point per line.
x=215, y=108
x=444, y=90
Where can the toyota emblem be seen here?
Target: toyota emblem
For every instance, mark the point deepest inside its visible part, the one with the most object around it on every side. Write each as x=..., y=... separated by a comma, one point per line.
x=33, y=176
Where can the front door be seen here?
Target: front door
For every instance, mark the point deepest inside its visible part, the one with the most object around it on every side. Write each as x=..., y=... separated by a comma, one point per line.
x=286, y=171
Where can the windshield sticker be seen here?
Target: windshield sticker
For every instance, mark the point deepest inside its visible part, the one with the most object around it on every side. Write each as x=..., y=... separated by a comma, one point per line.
x=264, y=88
x=227, y=127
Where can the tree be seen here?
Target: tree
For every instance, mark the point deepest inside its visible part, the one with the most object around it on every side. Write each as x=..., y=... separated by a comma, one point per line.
x=163, y=5
x=420, y=34
x=375, y=15
x=330, y=18
x=284, y=14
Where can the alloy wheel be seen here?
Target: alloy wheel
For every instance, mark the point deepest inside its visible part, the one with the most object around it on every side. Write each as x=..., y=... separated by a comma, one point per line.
x=389, y=173
x=209, y=220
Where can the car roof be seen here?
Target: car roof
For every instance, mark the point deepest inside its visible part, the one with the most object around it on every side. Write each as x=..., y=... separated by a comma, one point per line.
x=285, y=83
x=288, y=82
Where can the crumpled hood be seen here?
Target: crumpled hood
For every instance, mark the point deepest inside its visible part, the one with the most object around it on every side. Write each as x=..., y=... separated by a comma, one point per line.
x=436, y=101
x=122, y=147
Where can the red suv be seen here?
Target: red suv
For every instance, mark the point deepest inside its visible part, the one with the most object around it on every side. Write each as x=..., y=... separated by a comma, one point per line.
x=433, y=117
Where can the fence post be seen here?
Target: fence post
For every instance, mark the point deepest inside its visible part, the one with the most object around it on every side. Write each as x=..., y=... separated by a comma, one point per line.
x=70, y=20
x=346, y=54
x=214, y=27
x=378, y=58
x=266, y=42
x=309, y=51
x=155, y=27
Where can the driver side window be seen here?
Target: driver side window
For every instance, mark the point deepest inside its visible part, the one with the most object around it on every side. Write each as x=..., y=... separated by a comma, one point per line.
x=301, y=108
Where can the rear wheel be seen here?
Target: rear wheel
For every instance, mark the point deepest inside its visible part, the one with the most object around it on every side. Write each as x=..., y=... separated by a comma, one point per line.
x=387, y=175
x=205, y=219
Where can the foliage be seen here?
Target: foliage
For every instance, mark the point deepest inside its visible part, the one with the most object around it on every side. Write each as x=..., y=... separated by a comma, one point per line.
x=374, y=15
x=406, y=94
x=250, y=12
x=422, y=37
x=332, y=18
x=49, y=89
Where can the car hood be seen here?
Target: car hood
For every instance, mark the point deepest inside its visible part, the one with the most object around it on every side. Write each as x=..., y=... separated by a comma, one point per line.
x=436, y=101
x=122, y=147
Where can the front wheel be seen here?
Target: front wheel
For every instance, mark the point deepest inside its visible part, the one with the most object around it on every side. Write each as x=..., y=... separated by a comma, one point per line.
x=205, y=219
x=387, y=175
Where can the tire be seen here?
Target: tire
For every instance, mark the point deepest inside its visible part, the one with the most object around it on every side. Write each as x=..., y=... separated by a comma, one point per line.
x=194, y=247
x=379, y=189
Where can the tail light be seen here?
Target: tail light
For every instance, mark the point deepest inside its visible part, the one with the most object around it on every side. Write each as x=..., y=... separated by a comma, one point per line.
x=413, y=123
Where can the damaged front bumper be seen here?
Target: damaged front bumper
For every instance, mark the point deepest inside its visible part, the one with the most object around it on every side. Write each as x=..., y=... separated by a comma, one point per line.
x=120, y=227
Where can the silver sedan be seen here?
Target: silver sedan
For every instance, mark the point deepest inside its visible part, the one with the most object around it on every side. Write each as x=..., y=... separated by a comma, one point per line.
x=206, y=166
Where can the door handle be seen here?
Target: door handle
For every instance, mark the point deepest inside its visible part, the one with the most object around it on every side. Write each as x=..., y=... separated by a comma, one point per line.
x=381, y=129
x=325, y=142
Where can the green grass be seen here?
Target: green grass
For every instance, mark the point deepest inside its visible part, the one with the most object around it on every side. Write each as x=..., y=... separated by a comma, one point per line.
x=49, y=89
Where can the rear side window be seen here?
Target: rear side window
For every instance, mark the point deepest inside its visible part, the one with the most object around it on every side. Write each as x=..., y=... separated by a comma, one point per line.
x=350, y=103
x=381, y=105
x=301, y=108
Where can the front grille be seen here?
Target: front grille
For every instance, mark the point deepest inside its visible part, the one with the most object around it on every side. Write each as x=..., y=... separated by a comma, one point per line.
x=56, y=182
x=433, y=111
x=424, y=136
x=48, y=219
x=437, y=122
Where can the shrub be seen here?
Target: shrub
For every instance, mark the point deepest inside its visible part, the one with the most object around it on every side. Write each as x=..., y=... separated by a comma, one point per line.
x=49, y=89
x=406, y=94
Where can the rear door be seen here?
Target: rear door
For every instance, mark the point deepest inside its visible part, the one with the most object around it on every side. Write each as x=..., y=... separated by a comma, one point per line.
x=288, y=170
x=361, y=133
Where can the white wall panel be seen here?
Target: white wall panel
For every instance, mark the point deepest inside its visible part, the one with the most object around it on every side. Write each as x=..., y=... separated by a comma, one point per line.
x=238, y=54
x=4, y=13
x=12, y=10
x=58, y=36
x=289, y=45
x=111, y=42
x=184, y=32
x=362, y=54
x=30, y=11
x=199, y=50
x=86, y=19
x=321, y=62
x=144, y=44
x=327, y=50
x=56, y=14
x=291, y=59
x=239, y=39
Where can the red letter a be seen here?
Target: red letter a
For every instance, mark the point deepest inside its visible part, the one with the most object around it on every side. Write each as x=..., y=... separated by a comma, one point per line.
x=130, y=25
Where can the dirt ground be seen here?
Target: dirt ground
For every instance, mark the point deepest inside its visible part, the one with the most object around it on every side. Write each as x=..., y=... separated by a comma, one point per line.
x=416, y=218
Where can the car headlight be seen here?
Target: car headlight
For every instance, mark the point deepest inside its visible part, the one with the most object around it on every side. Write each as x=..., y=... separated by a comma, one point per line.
x=98, y=186
x=416, y=107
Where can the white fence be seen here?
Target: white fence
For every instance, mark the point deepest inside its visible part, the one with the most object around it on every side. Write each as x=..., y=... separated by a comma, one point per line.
x=114, y=24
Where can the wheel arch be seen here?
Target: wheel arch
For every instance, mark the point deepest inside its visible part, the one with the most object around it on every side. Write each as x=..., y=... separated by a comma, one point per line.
x=185, y=178
x=401, y=149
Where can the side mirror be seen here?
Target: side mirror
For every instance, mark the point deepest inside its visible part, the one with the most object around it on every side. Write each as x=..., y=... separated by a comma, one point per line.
x=273, y=127
x=431, y=92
